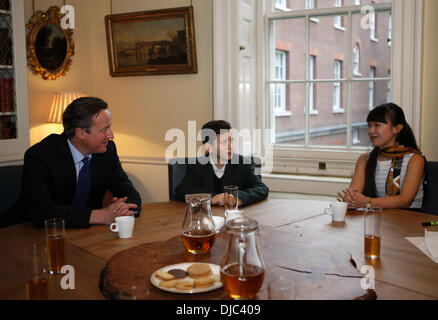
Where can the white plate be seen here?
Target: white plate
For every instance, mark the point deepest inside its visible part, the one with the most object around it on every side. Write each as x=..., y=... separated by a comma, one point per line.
x=215, y=269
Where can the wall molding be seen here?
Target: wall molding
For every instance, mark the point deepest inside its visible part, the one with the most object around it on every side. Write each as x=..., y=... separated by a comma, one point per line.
x=143, y=160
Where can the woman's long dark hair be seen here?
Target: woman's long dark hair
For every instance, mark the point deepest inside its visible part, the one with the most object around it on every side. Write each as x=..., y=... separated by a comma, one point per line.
x=394, y=115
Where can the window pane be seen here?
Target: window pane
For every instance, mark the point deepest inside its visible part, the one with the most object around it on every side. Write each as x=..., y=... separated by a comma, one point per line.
x=328, y=128
x=288, y=38
x=372, y=53
x=290, y=128
x=296, y=5
x=327, y=44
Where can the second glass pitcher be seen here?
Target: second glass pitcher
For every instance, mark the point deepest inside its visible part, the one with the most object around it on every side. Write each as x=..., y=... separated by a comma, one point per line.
x=242, y=269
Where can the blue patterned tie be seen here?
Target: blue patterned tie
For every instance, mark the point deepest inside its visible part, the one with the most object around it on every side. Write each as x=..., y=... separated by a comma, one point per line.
x=83, y=185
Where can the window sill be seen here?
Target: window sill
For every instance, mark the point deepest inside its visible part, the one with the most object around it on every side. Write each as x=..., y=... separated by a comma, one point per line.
x=305, y=184
x=374, y=39
x=316, y=20
x=340, y=28
x=281, y=8
x=313, y=112
x=338, y=110
x=280, y=114
x=357, y=74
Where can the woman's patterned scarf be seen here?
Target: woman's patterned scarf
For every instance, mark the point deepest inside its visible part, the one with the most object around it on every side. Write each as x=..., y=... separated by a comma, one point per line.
x=396, y=154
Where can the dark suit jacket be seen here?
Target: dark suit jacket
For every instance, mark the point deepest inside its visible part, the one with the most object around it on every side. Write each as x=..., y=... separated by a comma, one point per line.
x=49, y=182
x=200, y=178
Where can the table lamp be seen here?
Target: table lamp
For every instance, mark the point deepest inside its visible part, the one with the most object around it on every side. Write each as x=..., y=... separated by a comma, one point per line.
x=60, y=101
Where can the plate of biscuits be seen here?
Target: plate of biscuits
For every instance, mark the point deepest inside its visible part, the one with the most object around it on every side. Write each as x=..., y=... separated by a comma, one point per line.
x=188, y=278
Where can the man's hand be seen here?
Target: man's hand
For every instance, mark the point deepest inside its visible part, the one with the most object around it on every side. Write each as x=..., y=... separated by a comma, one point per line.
x=218, y=200
x=117, y=208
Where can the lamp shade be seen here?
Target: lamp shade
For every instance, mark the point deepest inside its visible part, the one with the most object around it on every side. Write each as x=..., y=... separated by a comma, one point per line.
x=60, y=101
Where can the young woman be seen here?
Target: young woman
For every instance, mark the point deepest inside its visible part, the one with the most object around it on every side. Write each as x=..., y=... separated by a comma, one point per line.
x=391, y=175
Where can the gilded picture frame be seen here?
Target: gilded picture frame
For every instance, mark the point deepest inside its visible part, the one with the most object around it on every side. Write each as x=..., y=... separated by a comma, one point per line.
x=158, y=42
x=49, y=46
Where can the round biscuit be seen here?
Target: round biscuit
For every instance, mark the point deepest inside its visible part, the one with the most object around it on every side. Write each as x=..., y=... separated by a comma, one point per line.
x=184, y=285
x=168, y=283
x=198, y=269
x=203, y=282
x=163, y=275
x=209, y=273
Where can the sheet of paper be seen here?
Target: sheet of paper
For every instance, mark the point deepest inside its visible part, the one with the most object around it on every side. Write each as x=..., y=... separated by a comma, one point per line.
x=419, y=243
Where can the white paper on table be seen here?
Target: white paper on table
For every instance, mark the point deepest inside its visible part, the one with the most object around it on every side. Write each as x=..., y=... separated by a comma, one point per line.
x=431, y=243
x=419, y=243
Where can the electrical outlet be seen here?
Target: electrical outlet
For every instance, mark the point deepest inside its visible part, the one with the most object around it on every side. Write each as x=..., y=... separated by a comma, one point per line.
x=322, y=166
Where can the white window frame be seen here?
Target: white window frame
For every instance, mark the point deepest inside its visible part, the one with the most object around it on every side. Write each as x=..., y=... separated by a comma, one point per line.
x=338, y=19
x=373, y=31
x=312, y=110
x=280, y=109
x=407, y=20
x=356, y=60
x=389, y=89
x=371, y=88
x=310, y=4
x=281, y=6
x=357, y=2
x=389, y=40
x=356, y=136
x=337, y=99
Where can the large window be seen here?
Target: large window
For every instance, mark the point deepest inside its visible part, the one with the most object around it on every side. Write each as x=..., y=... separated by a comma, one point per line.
x=326, y=80
x=298, y=142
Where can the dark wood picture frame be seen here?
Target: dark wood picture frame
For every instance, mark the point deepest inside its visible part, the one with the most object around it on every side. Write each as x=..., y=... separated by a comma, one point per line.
x=153, y=42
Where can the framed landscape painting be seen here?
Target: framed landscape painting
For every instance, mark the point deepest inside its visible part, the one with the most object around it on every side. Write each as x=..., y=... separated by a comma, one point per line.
x=151, y=42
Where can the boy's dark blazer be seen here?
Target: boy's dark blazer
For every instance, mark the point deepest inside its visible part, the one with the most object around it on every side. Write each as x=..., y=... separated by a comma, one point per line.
x=200, y=178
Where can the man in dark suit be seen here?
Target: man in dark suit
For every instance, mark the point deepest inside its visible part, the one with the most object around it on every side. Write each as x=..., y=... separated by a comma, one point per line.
x=220, y=168
x=66, y=176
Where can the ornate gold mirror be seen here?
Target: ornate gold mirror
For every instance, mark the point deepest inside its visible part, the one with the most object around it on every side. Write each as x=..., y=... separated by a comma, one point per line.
x=49, y=46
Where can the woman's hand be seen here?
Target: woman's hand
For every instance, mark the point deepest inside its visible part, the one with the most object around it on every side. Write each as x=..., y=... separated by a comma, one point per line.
x=348, y=195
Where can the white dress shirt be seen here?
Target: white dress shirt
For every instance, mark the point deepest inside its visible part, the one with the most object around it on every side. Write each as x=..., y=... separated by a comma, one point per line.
x=218, y=172
x=77, y=158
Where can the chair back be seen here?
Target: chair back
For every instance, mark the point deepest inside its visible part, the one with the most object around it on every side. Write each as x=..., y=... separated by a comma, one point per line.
x=177, y=171
x=10, y=186
x=430, y=198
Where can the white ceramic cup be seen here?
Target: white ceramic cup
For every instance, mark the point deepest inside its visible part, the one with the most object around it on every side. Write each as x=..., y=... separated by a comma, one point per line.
x=218, y=222
x=337, y=210
x=124, y=226
x=231, y=214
